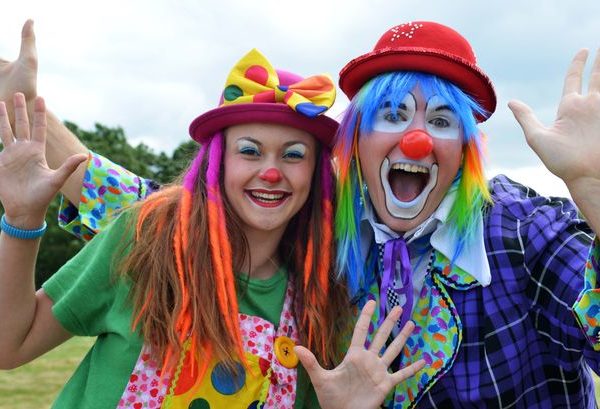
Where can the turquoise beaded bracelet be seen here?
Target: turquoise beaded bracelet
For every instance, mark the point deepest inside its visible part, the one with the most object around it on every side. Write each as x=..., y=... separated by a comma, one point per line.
x=21, y=233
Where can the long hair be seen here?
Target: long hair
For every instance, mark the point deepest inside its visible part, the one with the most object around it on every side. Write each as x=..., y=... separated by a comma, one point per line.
x=189, y=243
x=470, y=183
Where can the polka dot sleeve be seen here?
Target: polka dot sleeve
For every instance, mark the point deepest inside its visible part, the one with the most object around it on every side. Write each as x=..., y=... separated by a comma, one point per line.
x=587, y=306
x=107, y=188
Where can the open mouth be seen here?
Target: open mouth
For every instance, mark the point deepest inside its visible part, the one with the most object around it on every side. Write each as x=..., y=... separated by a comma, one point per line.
x=407, y=185
x=407, y=180
x=267, y=198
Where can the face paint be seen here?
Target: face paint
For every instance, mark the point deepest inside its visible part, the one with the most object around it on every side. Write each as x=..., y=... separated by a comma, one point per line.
x=412, y=207
x=406, y=190
x=441, y=121
x=416, y=144
x=268, y=170
x=271, y=175
x=387, y=120
x=295, y=151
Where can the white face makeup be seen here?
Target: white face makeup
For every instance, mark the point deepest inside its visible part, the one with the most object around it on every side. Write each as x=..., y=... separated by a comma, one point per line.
x=405, y=191
x=440, y=121
x=295, y=151
x=398, y=121
x=247, y=147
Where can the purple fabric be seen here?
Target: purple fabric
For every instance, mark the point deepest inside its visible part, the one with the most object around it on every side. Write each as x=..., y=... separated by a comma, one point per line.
x=396, y=250
x=215, y=152
x=521, y=345
x=189, y=180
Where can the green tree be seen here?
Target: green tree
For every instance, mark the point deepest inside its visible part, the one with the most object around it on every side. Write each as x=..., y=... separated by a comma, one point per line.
x=58, y=246
x=112, y=143
x=169, y=168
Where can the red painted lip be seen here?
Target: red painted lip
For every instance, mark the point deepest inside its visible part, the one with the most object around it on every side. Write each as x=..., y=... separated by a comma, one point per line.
x=264, y=202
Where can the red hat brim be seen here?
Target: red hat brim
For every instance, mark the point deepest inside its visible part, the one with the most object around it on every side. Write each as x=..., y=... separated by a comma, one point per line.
x=206, y=125
x=465, y=75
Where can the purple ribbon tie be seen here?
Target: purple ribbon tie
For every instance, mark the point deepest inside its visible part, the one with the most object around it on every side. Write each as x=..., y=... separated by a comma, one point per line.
x=395, y=250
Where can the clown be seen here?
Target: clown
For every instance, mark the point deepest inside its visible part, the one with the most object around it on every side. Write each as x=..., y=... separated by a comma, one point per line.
x=489, y=272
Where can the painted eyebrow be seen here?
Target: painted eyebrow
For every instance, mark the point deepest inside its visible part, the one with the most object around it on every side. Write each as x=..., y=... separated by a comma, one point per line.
x=444, y=108
x=401, y=105
x=285, y=145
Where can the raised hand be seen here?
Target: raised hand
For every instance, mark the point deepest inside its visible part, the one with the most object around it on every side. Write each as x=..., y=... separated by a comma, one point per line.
x=27, y=184
x=362, y=380
x=570, y=147
x=20, y=75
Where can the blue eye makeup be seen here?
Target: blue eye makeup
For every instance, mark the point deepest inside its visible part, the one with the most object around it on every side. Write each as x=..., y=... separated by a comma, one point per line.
x=246, y=147
x=295, y=151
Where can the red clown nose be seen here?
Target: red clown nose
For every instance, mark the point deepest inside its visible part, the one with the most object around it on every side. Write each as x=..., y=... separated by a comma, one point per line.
x=271, y=175
x=416, y=144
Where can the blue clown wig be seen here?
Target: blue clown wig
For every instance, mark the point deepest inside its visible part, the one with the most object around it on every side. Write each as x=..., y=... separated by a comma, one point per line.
x=470, y=182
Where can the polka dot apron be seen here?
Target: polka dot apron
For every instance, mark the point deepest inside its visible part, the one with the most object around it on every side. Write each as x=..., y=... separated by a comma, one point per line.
x=267, y=383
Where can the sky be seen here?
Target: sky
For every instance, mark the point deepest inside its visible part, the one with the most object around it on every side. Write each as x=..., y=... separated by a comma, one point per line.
x=151, y=67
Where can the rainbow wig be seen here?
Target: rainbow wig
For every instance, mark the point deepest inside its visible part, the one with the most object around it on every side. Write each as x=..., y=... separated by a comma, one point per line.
x=470, y=183
x=220, y=249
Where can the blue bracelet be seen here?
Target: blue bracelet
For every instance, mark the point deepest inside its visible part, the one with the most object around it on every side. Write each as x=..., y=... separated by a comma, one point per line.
x=21, y=233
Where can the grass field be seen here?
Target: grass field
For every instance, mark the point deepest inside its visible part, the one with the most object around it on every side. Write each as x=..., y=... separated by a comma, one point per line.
x=35, y=385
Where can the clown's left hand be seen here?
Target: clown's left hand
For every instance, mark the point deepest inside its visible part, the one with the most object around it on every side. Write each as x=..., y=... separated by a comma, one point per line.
x=570, y=147
x=362, y=380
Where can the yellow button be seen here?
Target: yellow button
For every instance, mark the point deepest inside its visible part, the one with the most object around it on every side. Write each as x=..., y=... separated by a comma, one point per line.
x=284, y=351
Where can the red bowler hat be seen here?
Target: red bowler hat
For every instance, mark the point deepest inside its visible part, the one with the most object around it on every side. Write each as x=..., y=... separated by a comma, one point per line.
x=427, y=47
x=256, y=92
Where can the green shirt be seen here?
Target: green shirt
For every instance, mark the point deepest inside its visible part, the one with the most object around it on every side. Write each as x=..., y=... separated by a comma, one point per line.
x=263, y=298
x=91, y=300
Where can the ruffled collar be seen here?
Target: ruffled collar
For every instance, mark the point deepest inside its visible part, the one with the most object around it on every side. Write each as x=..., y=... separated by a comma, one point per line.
x=472, y=260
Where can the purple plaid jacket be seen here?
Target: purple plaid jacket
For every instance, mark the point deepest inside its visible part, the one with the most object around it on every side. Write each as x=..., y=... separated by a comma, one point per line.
x=521, y=344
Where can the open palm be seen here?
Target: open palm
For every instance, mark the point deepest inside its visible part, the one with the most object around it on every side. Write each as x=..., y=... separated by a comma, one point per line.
x=570, y=147
x=362, y=380
x=20, y=75
x=27, y=184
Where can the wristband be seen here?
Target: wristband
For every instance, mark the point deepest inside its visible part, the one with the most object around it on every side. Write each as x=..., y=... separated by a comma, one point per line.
x=17, y=233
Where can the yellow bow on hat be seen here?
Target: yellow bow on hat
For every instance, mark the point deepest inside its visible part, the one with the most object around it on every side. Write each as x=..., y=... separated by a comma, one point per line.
x=253, y=79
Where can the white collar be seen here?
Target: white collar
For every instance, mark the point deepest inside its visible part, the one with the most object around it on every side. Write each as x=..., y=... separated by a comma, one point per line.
x=473, y=259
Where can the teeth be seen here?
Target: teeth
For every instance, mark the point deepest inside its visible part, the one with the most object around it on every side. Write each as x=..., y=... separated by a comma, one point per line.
x=407, y=167
x=267, y=196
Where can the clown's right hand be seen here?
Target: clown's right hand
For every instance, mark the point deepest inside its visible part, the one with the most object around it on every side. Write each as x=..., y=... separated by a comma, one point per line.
x=570, y=147
x=363, y=379
x=27, y=184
